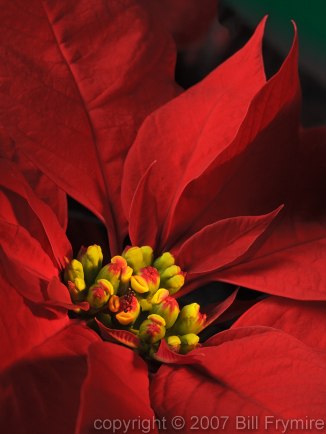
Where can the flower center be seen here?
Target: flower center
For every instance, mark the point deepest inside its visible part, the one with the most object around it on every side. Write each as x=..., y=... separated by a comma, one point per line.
x=134, y=292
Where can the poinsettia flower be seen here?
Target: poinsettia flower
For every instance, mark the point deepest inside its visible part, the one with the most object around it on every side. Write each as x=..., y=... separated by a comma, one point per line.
x=44, y=353
x=270, y=364
x=116, y=373
x=234, y=137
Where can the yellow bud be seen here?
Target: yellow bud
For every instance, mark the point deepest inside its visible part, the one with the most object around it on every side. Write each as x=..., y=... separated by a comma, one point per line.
x=114, y=304
x=160, y=295
x=80, y=284
x=188, y=342
x=129, y=310
x=126, y=274
x=145, y=304
x=151, y=277
x=174, y=343
x=74, y=278
x=139, y=284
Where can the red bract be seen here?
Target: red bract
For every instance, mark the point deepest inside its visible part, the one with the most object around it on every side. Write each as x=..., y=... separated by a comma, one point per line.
x=81, y=90
x=44, y=354
x=44, y=188
x=226, y=151
x=271, y=364
x=221, y=175
x=224, y=156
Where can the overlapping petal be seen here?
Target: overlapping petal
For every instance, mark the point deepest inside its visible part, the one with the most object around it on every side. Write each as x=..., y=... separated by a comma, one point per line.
x=262, y=367
x=116, y=390
x=291, y=260
x=185, y=141
x=40, y=391
x=42, y=186
x=239, y=154
x=26, y=210
x=77, y=101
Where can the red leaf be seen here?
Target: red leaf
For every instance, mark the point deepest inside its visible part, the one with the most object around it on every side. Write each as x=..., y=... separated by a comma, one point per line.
x=33, y=242
x=187, y=133
x=83, y=84
x=301, y=320
x=214, y=312
x=42, y=186
x=26, y=252
x=271, y=363
x=40, y=393
x=32, y=214
x=165, y=355
x=24, y=325
x=116, y=389
x=221, y=244
x=262, y=372
x=123, y=336
x=250, y=175
x=291, y=261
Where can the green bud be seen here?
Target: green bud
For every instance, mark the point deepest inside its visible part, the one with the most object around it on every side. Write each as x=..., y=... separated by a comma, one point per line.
x=172, y=278
x=164, y=261
x=148, y=256
x=190, y=320
x=74, y=270
x=91, y=258
x=74, y=278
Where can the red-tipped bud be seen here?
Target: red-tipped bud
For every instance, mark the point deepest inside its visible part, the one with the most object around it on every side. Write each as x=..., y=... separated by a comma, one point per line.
x=115, y=272
x=114, y=304
x=146, y=280
x=99, y=293
x=152, y=329
x=165, y=306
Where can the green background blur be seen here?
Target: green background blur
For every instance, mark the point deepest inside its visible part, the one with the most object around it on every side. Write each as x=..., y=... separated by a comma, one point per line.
x=310, y=17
